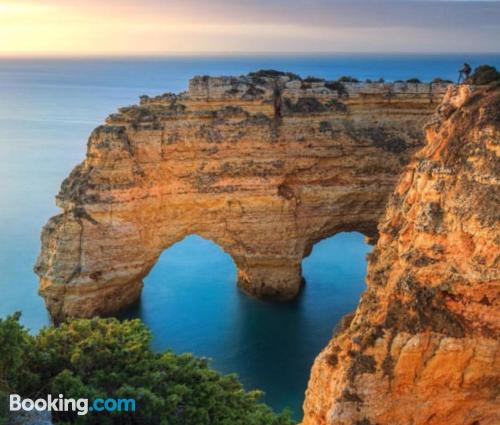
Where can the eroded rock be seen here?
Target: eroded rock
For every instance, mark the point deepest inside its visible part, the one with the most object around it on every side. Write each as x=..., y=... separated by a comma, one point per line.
x=423, y=346
x=220, y=162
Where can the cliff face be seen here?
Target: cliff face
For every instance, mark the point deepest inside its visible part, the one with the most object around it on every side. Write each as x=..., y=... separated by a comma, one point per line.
x=263, y=165
x=423, y=345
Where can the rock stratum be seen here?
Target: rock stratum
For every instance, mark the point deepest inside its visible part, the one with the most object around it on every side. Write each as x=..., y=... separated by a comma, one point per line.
x=423, y=345
x=264, y=165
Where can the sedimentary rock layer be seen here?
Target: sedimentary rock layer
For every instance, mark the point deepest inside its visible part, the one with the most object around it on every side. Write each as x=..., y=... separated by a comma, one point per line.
x=264, y=165
x=423, y=345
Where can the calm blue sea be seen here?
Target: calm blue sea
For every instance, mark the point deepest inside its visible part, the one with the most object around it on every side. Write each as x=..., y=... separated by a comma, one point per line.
x=48, y=108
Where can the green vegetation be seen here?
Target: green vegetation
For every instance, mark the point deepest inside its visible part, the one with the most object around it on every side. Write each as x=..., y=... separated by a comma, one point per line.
x=272, y=73
x=484, y=74
x=313, y=80
x=304, y=105
x=348, y=79
x=338, y=87
x=439, y=80
x=101, y=358
x=413, y=80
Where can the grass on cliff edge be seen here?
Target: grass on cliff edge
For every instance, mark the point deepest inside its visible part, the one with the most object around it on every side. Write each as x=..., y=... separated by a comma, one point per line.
x=101, y=358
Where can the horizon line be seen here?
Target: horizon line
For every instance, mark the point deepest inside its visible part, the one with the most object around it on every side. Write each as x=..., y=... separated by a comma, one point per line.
x=159, y=55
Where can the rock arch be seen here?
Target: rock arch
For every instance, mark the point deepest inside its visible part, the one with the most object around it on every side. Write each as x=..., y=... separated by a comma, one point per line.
x=215, y=162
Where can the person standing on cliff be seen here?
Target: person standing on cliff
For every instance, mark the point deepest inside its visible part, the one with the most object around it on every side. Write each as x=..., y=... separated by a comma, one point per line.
x=464, y=73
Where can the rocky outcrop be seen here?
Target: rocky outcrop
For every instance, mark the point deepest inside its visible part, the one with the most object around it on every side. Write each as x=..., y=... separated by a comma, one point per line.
x=423, y=345
x=264, y=165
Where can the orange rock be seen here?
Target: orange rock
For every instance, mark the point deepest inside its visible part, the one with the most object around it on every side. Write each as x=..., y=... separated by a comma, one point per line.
x=425, y=339
x=219, y=162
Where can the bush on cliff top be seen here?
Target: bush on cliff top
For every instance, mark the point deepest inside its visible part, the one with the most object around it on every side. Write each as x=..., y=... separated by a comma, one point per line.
x=439, y=80
x=484, y=74
x=348, y=79
x=311, y=79
x=338, y=87
x=102, y=358
x=272, y=73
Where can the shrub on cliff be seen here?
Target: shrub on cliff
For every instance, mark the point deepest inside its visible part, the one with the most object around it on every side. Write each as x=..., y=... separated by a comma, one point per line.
x=413, y=80
x=313, y=80
x=338, y=87
x=484, y=74
x=439, y=80
x=272, y=73
x=101, y=358
x=347, y=79
x=304, y=105
x=15, y=346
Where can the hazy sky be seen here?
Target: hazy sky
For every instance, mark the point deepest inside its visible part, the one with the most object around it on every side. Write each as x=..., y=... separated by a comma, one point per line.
x=86, y=27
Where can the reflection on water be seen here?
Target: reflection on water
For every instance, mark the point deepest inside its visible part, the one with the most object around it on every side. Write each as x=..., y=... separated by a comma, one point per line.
x=191, y=303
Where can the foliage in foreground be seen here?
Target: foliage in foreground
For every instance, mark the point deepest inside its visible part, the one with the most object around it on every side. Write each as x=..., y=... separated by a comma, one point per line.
x=101, y=358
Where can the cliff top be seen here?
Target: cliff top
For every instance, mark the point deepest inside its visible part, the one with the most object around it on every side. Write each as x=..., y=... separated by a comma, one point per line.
x=262, y=85
x=259, y=91
x=265, y=85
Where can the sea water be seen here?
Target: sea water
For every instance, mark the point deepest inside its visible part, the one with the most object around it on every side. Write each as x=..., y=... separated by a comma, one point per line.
x=48, y=107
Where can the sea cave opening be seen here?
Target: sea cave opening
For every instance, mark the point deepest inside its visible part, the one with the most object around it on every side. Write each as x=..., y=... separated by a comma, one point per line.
x=192, y=304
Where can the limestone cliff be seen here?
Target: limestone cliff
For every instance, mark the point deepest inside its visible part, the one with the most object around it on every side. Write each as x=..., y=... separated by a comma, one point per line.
x=264, y=165
x=423, y=345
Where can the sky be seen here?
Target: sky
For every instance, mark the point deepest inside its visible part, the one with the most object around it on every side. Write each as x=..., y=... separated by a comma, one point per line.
x=150, y=27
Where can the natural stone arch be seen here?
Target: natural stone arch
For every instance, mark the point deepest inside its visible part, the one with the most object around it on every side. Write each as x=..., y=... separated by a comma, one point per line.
x=367, y=229
x=224, y=168
x=196, y=249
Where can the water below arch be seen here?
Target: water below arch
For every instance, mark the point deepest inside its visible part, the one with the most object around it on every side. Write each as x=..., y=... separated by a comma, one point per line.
x=191, y=304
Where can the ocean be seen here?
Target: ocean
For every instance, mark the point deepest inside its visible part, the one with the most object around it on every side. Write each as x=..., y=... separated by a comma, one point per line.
x=48, y=107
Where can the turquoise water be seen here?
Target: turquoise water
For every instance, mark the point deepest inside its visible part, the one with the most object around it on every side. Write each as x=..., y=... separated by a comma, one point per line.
x=191, y=303
x=47, y=110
